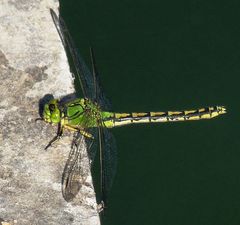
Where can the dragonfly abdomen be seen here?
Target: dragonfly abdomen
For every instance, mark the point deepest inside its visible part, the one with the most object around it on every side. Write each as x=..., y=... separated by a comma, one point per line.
x=121, y=119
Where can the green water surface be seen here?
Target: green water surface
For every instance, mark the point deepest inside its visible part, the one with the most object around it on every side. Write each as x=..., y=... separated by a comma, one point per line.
x=168, y=55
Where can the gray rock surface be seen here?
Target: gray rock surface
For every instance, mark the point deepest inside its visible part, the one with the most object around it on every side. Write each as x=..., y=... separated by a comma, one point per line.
x=33, y=64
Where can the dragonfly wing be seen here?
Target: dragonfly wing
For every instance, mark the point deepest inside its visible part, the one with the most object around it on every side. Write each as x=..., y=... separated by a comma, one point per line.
x=100, y=97
x=77, y=167
x=74, y=175
x=108, y=161
x=82, y=73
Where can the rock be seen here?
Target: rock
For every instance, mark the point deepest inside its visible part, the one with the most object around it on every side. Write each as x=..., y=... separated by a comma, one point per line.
x=33, y=65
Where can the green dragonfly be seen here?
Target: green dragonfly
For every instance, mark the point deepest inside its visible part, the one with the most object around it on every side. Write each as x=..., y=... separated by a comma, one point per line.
x=91, y=117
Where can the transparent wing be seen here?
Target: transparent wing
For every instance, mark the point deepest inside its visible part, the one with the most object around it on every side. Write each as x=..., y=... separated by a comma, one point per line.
x=82, y=73
x=90, y=83
x=100, y=97
x=74, y=175
x=77, y=167
x=108, y=161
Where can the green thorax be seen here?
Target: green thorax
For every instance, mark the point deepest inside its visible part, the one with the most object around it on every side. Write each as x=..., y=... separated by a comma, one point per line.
x=84, y=113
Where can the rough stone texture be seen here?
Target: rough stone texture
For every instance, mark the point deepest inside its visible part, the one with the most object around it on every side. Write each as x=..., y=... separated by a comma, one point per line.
x=33, y=64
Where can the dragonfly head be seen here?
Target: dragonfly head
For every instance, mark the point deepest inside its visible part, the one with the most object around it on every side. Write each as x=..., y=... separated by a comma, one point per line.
x=51, y=112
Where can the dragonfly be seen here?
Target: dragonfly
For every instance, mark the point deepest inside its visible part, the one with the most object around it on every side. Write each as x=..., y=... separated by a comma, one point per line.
x=91, y=118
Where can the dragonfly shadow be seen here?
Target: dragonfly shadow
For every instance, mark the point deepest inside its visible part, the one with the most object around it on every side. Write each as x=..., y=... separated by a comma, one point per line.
x=67, y=98
x=48, y=97
x=44, y=100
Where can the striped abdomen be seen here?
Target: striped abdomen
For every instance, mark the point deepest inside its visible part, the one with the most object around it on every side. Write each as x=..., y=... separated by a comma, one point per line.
x=120, y=119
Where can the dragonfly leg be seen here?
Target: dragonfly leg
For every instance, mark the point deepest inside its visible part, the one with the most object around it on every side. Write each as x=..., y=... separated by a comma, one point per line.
x=71, y=128
x=86, y=134
x=81, y=130
x=57, y=137
x=38, y=119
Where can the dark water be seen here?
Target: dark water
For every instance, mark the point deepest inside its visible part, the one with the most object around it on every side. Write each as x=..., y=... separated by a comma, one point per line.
x=165, y=56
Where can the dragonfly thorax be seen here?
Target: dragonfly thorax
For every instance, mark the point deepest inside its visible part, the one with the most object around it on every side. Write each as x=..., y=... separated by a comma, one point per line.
x=82, y=112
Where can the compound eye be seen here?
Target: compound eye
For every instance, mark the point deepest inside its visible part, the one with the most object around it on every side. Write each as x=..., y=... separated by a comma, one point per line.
x=51, y=107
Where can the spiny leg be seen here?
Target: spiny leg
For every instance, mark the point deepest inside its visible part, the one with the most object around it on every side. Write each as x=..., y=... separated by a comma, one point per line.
x=57, y=137
x=81, y=130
